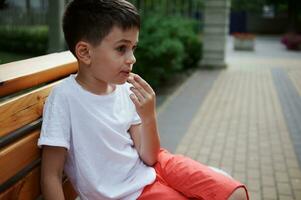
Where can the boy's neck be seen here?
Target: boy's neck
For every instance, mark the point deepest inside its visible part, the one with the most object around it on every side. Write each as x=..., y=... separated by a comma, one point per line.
x=93, y=85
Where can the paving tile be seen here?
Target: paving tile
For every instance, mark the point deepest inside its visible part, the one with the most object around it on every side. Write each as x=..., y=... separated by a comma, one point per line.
x=269, y=193
x=240, y=177
x=254, y=195
x=267, y=170
x=297, y=194
x=281, y=176
x=254, y=164
x=291, y=163
x=240, y=167
x=202, y=158
x=296, y=184
x=266, y=160
x=242, y=128
x=294, y=172
x=253, y=173
x=282, y=197
x=215, y=156
x=284, y=189
x=268, y=180
x=254, y=185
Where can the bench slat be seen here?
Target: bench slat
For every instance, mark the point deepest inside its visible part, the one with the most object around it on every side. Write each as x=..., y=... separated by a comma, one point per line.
x=18, y=155
x=23, y=110
x=24, y=74
x=29, y=188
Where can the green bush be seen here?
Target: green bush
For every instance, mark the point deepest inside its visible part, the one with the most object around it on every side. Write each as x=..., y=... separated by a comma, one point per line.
x=187, y=31
x=167, y=45
x=24, y=39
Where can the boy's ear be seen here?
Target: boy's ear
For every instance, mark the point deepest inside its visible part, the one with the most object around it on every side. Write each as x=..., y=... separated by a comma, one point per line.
x=82, y=51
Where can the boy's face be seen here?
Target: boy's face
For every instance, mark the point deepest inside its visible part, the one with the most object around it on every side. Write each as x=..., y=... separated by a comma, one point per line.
x=112, y=60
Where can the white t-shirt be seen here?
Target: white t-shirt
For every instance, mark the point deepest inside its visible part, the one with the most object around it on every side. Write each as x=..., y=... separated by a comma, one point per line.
x=102, y=162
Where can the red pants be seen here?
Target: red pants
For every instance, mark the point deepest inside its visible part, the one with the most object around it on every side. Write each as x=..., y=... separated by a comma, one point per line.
x=179, y=177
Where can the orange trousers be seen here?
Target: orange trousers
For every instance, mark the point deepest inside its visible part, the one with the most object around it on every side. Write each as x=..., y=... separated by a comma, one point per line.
x=181, y=178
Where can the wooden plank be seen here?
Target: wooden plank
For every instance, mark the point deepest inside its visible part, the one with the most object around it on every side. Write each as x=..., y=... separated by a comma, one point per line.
x=18, y=155
x=20, y=75
x=22, y=110
x=26, y=188
x=29, y=188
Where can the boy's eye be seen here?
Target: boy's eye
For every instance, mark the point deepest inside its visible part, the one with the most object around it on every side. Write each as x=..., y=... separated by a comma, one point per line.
x=134, y=48
x=121, y=49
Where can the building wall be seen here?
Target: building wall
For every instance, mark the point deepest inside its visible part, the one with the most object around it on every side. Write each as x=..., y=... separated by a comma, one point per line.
x=255, y=23
x=258, y=24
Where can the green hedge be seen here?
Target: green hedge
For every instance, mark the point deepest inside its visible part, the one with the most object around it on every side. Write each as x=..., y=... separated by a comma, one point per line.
x=24, y=39
x=167, y=45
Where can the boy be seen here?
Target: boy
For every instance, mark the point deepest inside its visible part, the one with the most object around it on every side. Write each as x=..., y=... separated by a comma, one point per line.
x=99, y=126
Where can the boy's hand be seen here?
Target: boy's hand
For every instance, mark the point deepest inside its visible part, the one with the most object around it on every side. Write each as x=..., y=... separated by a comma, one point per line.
x=144, y=98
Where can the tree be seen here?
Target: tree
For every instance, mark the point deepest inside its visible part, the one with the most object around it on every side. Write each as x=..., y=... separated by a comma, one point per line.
x=247, y=5
x=292, y=7
x=3, y=4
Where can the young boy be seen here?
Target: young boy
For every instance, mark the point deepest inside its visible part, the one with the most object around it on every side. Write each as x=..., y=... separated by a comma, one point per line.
x=99, y=126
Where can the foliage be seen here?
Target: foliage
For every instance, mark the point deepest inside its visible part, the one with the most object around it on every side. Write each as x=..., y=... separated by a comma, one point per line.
x=169, y=7
x=6, y=57
x=21, y=39
x=3, y=4
x=166, y=44
x=246, y=5
x=256, y=5
x=291, y=8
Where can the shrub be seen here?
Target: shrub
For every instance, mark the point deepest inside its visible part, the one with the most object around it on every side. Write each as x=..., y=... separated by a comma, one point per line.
x=167, y=45
x=24, y=39
x=292, y=41
x=187, y=32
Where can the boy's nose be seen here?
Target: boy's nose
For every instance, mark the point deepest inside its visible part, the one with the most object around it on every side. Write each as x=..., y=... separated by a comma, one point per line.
x=131, y=59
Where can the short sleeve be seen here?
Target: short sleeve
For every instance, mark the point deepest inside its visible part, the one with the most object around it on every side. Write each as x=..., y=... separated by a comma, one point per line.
x=56, y=128
x=135, y=117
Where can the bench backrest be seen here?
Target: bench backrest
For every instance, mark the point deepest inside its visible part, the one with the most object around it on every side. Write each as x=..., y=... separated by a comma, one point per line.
x=24, y=86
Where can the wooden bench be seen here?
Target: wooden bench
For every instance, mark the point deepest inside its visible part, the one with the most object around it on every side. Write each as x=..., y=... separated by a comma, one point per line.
x=24, y=86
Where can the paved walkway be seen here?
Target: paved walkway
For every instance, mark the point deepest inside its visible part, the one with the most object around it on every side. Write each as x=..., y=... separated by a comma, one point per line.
x=245, y=119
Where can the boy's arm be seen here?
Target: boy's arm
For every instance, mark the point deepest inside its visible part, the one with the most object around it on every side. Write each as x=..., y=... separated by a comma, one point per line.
x=145, y=135
x=53, y=159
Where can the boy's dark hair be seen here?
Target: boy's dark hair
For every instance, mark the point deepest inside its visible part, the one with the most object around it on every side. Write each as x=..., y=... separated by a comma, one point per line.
x=92, y=20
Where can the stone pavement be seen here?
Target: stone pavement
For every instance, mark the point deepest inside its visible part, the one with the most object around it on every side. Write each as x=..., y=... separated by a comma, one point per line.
x=245, y=119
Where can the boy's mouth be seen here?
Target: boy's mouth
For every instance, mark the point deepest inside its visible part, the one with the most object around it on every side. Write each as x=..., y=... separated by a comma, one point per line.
x=126, y=73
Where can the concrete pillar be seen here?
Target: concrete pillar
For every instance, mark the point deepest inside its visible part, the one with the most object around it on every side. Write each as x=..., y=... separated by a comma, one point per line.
x=56, y=36
x=216, y=23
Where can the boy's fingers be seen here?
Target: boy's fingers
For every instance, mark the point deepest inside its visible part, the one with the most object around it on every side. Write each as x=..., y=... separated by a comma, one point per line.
x=142, y=82
x=135, y=100
x=138, y=86
x=139, y=96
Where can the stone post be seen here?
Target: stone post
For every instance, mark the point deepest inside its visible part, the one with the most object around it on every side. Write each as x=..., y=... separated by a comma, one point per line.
x=216, y=23
x=55, y=36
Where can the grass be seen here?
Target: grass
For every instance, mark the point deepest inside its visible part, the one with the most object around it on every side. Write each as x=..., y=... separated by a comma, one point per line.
x=6, y=57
